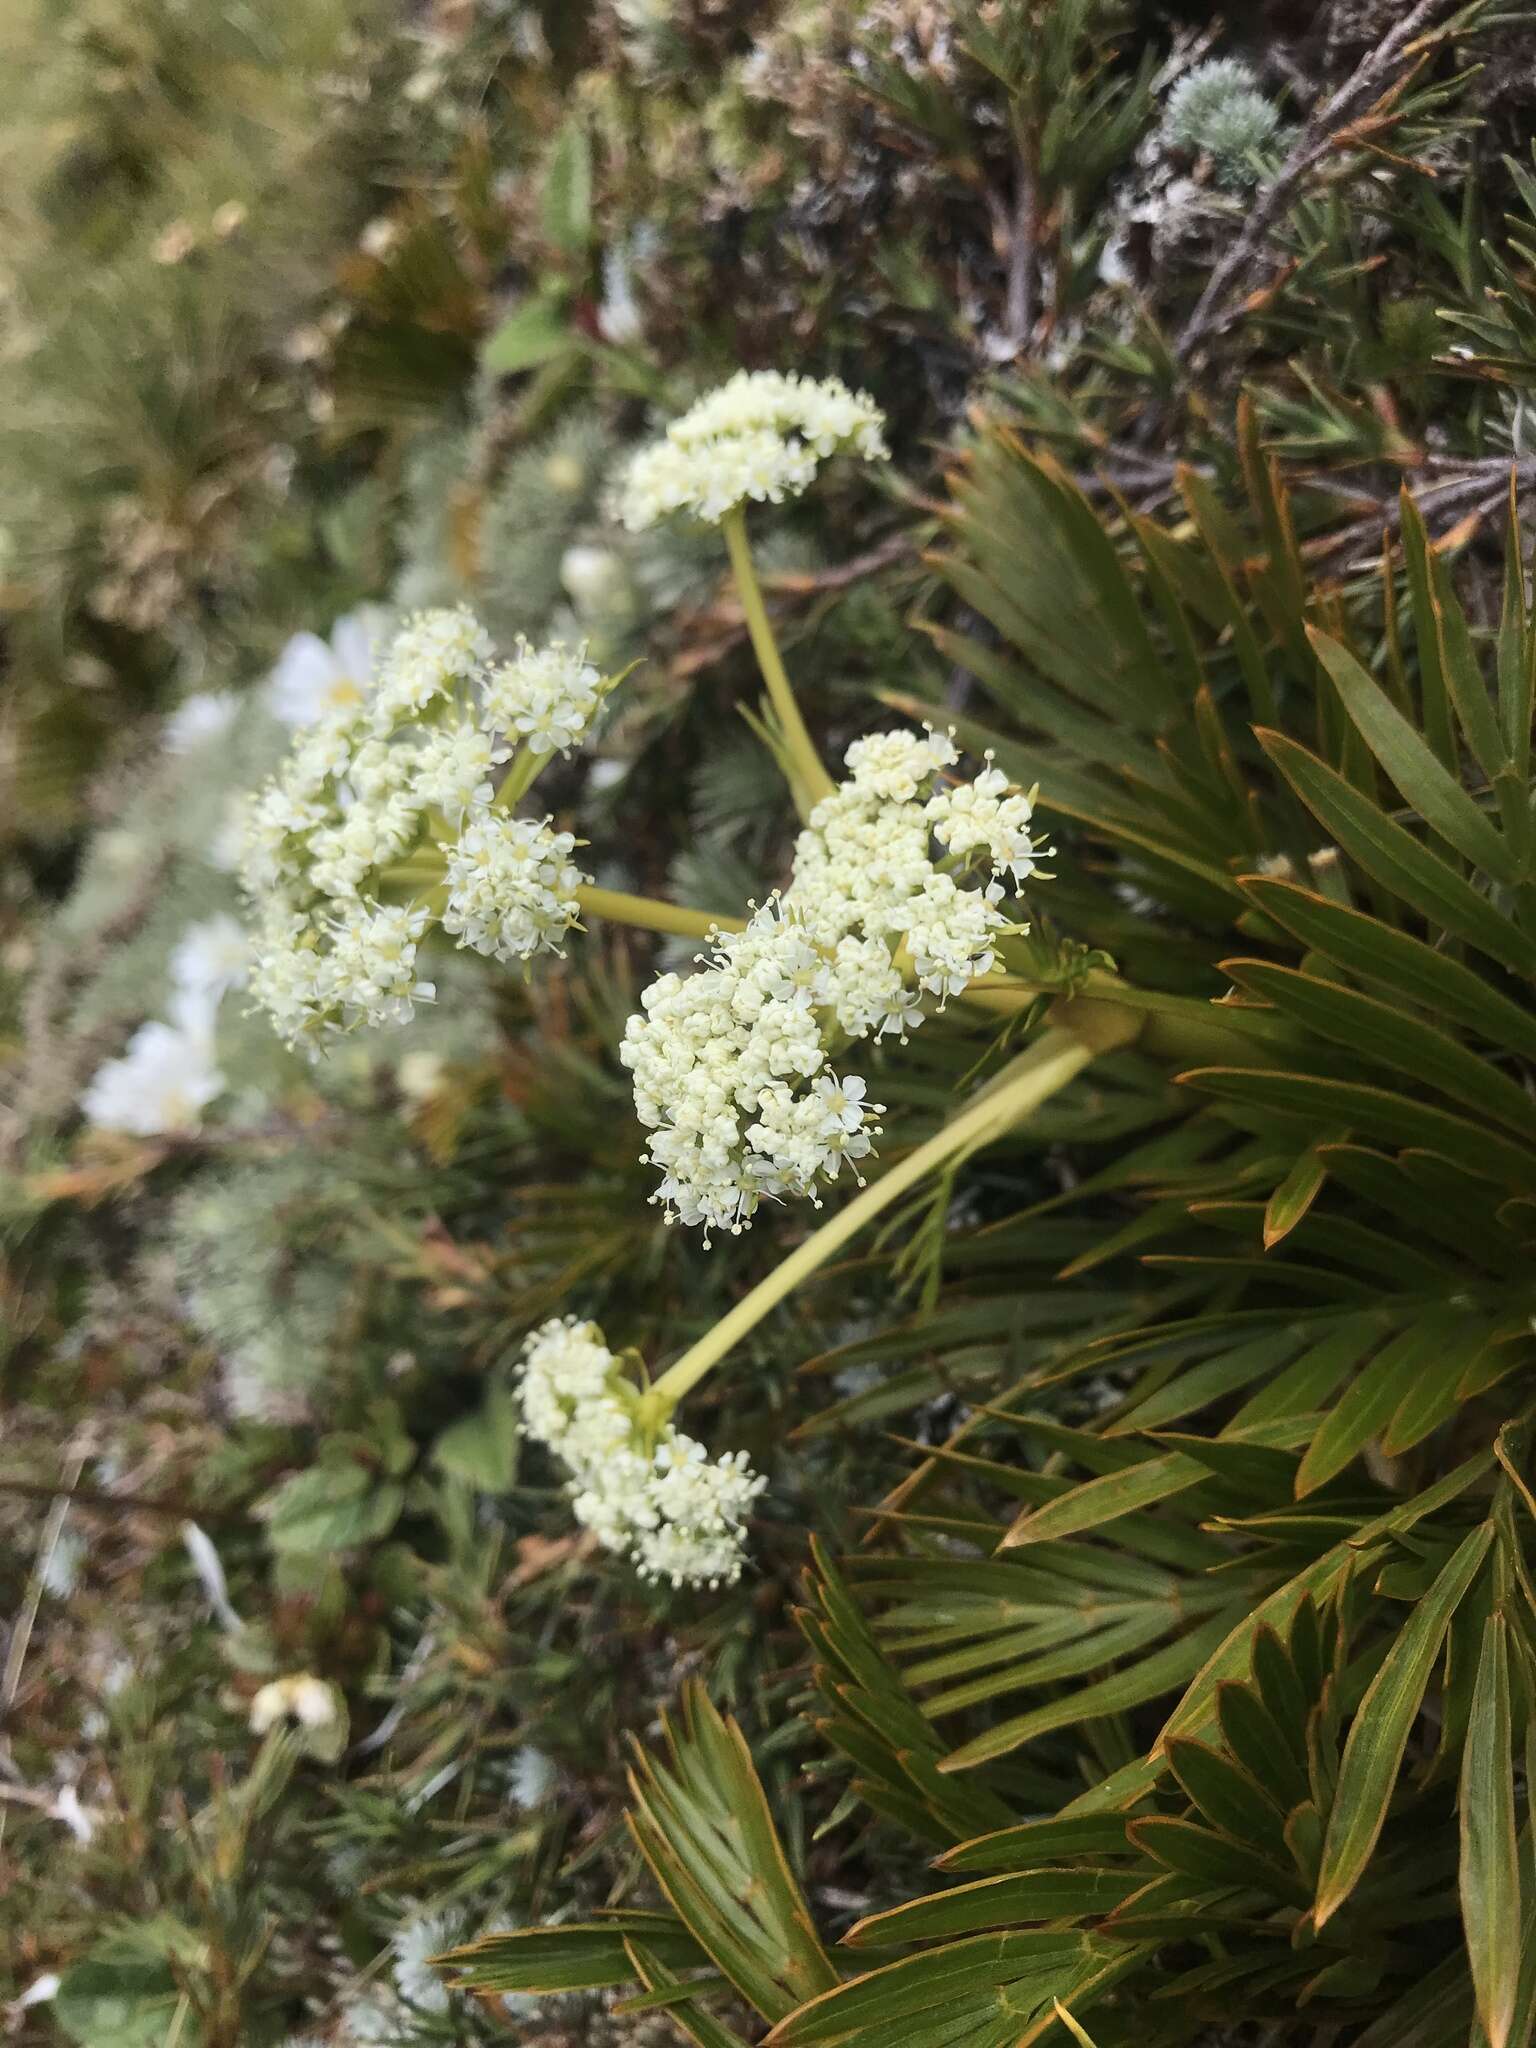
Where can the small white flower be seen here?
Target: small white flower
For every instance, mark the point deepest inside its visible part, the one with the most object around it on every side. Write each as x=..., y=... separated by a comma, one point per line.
x=380, y=797
x=162, y=1083
x=314, y=676
x=198, y=720
x=211, y=957
x=414, y=1942
x=299, y=1697
x=595, y=578
x=66, y=1809
x=531, y=1776
x=511, y=887
x=419, y=1075
x=546, y=695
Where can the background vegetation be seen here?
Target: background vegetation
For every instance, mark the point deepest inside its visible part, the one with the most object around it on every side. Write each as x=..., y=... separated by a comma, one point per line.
x=1148, y=1532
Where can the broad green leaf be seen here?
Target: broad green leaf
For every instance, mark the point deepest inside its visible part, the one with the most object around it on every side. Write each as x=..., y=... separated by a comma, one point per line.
x=704, y=1826
x=1229, y=1797
x=1293, y=1197
x=536, y=333
x=1463, y=675
x=702, y=2028
x=482, y=1448
x=894, y=1996
x=1305, y=1386
x=332, y=1506
x=1489, y=1871
x=123, y=1993
x=1211, y=1858
x=1436, y=704
x=1373, y=1754
x=1422, y=781
x=1436, y=1394
x=1118, y=1693
x=1233, y=1657
x=1098, y=1501
x=566, y=200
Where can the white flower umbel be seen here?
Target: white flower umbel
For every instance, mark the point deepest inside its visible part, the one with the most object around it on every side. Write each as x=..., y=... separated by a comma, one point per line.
x=649, y=1492
x=314, y=677
x=164, y=1080
x=761, y=436
x=725, y=1064
x=737, y=1071
x=392, y=794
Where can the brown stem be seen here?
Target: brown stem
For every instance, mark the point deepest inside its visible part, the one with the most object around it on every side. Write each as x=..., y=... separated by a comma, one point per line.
x=1363, y=85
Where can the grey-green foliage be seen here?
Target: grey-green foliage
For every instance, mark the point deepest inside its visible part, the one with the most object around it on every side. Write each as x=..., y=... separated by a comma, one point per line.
x=273, y=1271
x=1217, y=109
x=501, y=547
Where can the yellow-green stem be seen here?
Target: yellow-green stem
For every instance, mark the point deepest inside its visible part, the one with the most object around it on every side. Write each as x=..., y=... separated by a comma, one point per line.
x=522, y=770
x=811, y=780
x=1055, y=1058
x=650, y=915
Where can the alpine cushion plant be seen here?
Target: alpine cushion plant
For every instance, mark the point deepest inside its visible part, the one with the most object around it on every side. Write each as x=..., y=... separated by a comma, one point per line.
x=1201, y=1651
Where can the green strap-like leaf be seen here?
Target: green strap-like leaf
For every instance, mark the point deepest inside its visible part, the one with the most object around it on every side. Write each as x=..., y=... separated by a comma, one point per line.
x=1384, y=1031
x=1391, y=960
x=1373, y=1754
x=1377, y=1113
x=1489, y=1874
x=1395, y=857
x=1009, y=1901
x=1430, y=788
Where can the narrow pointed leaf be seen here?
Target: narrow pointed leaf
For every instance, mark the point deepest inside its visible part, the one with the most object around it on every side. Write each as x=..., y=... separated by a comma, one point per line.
x=1489, y=1875
x=1373, y=1754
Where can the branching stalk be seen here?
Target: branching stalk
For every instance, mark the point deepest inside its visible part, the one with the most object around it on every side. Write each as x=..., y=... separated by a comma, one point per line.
x=649, y=914
x=810, y=780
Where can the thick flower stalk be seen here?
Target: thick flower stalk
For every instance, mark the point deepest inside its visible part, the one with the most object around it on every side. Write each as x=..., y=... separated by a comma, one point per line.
x=895, y=905
x=637, y=1482
x=389, y=821
x=641, y=1486
x=760, y=438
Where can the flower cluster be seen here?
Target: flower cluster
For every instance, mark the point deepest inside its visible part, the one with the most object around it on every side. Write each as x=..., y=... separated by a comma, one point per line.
x=762, y=435
x=655, y=1495
x=384, y=822
x=168, y=1075
x=733, y=1065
